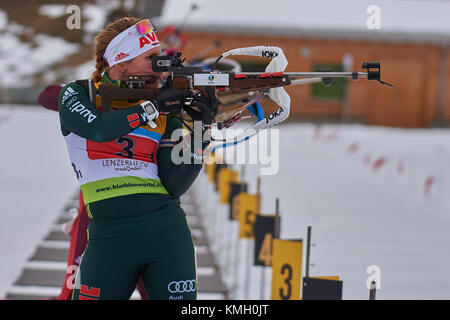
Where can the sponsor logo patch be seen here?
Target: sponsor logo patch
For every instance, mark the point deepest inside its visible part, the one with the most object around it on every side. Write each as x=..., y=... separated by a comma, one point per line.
x=89, y=293
x=182, y=286
x=121, y=56
x=133, y=119
x=148, y=39
x=83, y=111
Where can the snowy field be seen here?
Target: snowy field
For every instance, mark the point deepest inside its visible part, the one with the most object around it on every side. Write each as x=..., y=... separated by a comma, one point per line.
x=36, y=180
x=393, y=213
x=373, y=196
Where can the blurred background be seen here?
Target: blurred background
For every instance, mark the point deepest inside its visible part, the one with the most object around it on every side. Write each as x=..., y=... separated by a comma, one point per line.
x=409, y=38
x=364, y=164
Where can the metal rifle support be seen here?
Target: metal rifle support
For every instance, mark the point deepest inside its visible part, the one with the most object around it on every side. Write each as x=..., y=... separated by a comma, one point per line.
x=373, y=290
x=249, y=246
x=308, y=247
x=277, y=219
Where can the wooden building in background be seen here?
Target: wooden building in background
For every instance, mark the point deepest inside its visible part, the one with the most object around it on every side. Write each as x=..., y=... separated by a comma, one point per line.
x=417, y=64
x=412, y=67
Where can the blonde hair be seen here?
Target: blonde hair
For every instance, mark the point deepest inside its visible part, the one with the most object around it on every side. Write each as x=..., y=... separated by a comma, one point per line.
x=104, y=38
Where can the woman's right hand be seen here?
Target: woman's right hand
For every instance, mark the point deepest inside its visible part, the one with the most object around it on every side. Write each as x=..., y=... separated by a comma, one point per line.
x=170, y=100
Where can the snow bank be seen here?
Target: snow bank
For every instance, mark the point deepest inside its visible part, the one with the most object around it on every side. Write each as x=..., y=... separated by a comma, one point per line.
x=36, y=180
x=53, y=10
x=21, y=60
x=363, y=212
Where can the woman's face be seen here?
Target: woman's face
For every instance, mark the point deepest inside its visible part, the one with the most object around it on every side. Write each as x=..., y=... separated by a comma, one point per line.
x=142, y=65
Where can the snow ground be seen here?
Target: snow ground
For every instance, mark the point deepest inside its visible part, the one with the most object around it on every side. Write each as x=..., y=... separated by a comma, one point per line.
x=359, y=216
x=27, y=60
x=36, y=180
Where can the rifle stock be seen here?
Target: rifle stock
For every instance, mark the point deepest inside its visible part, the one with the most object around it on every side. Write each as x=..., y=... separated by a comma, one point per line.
x=109, y=93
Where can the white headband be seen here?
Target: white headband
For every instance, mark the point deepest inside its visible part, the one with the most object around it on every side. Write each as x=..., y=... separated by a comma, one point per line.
x=129, y=44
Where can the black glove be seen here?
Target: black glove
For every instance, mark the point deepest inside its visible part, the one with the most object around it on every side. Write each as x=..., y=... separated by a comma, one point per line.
x=170, y=100
x=208, y=107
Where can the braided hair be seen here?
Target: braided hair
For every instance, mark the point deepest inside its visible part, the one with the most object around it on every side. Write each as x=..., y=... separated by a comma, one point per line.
x=104, y=38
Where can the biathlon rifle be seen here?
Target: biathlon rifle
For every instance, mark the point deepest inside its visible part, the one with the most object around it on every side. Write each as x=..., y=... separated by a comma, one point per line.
x=248, y=87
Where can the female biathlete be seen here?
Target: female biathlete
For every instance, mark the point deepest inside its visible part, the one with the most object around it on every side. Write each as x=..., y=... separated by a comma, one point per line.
x=130, y=185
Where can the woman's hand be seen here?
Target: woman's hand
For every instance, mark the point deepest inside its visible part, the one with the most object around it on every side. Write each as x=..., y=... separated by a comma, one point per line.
x=170, y=100
x=208, y=107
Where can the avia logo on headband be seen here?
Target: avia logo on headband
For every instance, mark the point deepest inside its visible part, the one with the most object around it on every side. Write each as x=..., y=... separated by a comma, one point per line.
x=149, y=38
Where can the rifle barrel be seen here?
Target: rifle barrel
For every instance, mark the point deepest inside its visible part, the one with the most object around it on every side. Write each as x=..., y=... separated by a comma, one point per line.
x=305, y=81
x=293, y=75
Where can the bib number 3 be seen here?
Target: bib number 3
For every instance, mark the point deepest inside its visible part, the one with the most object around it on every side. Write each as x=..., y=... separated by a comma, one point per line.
x=127, y=147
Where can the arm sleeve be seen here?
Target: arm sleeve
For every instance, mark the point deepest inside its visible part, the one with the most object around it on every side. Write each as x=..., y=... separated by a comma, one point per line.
x=48, y=98
x=80, y=116
x=177, y=178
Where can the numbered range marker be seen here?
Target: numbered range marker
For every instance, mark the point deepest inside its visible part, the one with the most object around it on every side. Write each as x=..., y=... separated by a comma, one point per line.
x=248, y=208
x=322, y=288
x=264, y=232
x=210, y=169
x=235, y=189
x=217, y=168
x=226, y=176
x=286, y=269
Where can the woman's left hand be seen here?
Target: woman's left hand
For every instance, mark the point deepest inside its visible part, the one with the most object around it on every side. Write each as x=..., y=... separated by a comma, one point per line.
x=208, y=107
